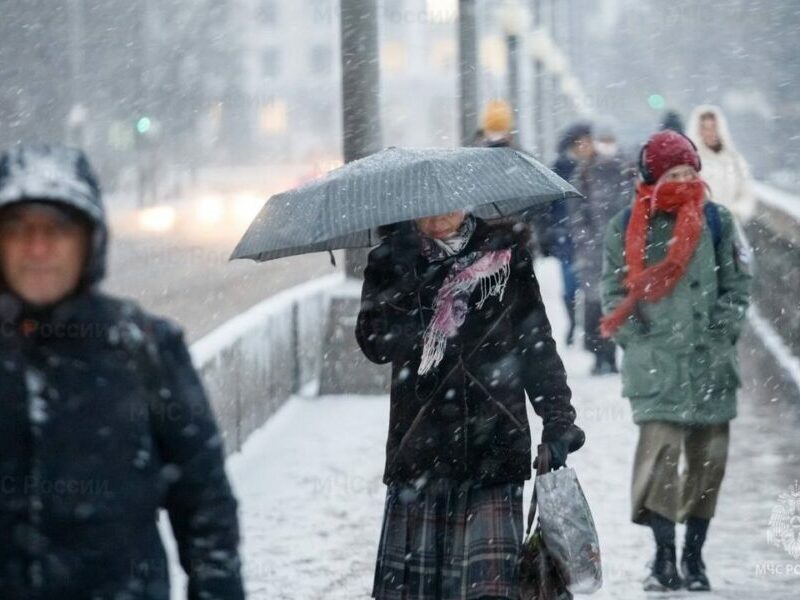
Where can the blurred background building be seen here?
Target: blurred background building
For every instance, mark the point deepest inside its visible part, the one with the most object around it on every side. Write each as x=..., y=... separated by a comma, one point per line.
x=170, y=87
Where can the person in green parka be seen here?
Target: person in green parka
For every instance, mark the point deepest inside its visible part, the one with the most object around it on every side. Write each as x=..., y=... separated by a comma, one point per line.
x=675, y=289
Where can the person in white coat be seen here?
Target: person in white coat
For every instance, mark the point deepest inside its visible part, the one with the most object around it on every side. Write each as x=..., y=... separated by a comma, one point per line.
x=724, y=170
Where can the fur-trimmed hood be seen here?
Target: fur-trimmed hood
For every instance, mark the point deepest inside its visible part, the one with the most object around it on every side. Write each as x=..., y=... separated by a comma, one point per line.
x=693, y=127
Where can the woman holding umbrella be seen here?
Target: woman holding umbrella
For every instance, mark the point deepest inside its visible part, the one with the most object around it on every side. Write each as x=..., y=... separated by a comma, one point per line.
x=452, y=302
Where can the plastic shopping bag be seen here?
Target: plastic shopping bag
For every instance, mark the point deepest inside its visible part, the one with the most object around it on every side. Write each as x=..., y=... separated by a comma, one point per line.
x=561, y=556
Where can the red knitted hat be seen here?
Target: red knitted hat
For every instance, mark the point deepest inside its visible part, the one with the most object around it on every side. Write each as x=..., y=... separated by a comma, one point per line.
x=665, y=150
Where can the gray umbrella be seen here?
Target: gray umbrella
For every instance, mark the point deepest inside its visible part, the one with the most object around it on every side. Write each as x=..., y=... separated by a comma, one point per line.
x=343, y=209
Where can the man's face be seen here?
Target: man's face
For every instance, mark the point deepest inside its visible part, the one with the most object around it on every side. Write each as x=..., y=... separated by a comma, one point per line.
x=606, y=146
x=583, y=148
x=709, y=132
x=441, y=226
x=42, y=252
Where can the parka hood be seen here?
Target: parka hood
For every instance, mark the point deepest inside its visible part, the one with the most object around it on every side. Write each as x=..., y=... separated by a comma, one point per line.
x=58, y=175
x=693, y=127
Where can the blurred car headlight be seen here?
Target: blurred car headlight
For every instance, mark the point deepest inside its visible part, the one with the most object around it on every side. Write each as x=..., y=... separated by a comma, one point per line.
x=157, y=219
x=246, y=207
x=210, y=210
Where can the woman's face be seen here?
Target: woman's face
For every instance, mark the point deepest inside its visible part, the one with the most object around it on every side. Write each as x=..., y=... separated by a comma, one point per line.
x=441, y=226
x=709, y=132
x=681, y=173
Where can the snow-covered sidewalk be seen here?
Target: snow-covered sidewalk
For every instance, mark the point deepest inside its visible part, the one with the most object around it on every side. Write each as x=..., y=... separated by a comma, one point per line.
x=311, y=497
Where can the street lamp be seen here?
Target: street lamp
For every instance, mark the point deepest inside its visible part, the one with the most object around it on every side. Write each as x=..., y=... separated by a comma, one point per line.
x=513, y=21
x=345, y=369
x=467, y=69
x=540, y=44
x=570, y=86
x=556, y=62
x=513, y=18
x=361, y=123
x=76, y=121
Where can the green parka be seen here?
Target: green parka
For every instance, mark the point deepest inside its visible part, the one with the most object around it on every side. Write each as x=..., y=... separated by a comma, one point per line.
x=680, y=361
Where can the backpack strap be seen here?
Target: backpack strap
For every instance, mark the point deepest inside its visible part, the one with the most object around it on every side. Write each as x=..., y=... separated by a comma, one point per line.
x=626, y=219
x=711, y=211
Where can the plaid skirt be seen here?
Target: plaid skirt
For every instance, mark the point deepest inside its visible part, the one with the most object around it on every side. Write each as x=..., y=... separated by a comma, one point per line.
x=450, y=541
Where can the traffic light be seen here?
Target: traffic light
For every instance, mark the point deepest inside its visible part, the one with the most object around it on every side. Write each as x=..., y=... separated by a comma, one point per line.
x=143, y=125
x=656, y=101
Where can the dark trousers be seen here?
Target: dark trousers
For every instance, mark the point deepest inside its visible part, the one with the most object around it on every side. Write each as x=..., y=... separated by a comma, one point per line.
x=602, y=348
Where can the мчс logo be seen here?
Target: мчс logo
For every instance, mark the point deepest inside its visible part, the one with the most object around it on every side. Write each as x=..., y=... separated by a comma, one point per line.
x=784, y=524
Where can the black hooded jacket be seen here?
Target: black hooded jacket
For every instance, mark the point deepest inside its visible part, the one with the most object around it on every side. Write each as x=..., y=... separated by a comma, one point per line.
x=103, y=421
x=466, y=419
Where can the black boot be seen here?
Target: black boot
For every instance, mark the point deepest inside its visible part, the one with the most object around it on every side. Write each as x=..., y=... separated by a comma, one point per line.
x=609, y=352
x=664, y=570
x=692, y=565
x=603, y=364
x=597, y=369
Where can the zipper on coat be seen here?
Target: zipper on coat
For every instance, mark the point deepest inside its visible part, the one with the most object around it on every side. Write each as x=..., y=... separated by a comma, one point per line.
x=466, y=412
x=35, y=384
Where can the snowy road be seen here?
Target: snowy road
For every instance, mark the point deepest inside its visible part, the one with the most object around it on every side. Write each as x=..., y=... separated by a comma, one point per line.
x=191, y=280
x=309, y=483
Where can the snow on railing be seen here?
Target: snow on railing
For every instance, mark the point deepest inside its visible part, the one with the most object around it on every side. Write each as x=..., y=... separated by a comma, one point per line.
x=774, y=236
x=778, y=199
x=253, y=363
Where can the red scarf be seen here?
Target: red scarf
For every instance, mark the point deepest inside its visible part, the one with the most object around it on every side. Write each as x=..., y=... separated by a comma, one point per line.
x=653, y=283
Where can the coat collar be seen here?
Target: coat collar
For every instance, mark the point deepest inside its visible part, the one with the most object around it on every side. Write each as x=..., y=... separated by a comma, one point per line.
x=497, y=236
x=77, y=307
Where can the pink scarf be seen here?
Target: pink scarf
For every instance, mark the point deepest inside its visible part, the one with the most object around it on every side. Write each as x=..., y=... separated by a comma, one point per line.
x=491, y=271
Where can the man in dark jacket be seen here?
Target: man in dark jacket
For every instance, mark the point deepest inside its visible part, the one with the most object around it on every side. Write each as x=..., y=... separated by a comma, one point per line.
x=574, y=146
x=606, y=180
x=103, y=419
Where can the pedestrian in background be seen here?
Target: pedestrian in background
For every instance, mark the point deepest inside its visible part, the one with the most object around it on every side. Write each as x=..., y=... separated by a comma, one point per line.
x=497, y=124
x=606, y=181
x=676, y=287
x=673, y=121
x=103, y=418
x=574, y=146
x=724, y=169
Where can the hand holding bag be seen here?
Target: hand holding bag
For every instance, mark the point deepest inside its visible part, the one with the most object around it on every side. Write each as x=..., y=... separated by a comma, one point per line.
x=562, y=556
x=540, y=578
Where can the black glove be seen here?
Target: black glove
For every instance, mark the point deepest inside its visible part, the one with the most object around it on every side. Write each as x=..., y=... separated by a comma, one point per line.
x=396, y=260
x=404, y=252
x=570, y=441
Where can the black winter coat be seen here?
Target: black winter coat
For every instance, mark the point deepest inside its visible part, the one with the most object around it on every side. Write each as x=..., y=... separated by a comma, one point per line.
x=102, y=421
x=466, y=419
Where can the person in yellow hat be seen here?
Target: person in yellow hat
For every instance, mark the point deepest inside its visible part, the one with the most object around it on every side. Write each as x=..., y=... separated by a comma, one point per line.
x=497, y=123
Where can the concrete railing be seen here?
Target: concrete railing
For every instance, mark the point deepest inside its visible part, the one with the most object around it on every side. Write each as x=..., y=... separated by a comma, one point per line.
x=775, y=236
x=253, y=363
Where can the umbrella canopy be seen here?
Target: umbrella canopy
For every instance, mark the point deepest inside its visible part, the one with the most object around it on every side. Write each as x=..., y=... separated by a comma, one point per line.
x=344, y=208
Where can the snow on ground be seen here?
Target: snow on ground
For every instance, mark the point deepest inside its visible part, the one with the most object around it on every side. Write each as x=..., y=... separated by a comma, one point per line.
x=311, y=497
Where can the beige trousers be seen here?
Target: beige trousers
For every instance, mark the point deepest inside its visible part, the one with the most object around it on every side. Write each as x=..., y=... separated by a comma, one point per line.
x=658, y=486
